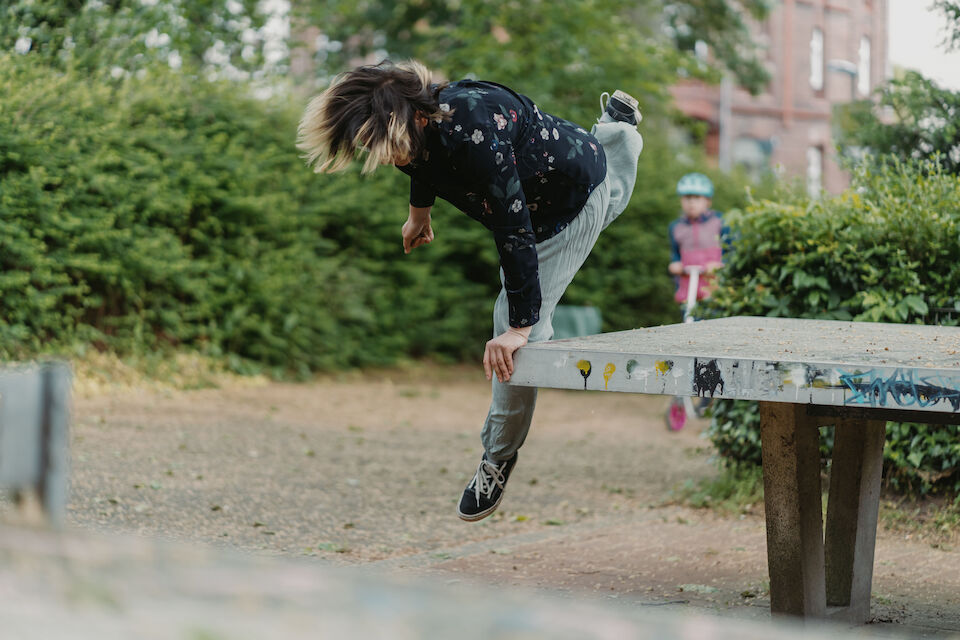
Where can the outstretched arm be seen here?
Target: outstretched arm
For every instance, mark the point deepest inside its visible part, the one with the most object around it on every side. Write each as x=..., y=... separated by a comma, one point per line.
x=416, y=230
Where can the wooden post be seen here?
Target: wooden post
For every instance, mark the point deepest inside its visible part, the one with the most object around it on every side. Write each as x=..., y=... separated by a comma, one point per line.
x=852, y=510
x=791, y=483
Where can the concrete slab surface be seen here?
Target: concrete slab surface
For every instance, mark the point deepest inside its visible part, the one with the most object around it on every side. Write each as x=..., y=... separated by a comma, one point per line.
x=827, y=363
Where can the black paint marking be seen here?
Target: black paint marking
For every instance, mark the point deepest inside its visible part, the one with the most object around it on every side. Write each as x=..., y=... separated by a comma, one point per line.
x=706, y=378
x=812, y=375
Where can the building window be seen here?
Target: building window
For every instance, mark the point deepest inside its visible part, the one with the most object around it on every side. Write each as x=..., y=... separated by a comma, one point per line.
x=816, y=59
x=701, y=50
x=814, y=171
x=863, y=69
x=753, y=154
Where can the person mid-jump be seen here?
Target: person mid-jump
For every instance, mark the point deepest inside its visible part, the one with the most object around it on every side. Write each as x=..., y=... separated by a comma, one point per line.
x=543, y=186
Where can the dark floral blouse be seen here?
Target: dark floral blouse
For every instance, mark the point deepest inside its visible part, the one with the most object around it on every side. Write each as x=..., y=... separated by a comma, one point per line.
x=522, y=173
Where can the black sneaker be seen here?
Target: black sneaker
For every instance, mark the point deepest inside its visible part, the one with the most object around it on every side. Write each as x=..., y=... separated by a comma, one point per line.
x=622, y=106
x=482, y=496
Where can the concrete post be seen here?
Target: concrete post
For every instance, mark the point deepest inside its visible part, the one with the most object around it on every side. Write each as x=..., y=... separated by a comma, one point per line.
x=791, y=483
x=852, y=509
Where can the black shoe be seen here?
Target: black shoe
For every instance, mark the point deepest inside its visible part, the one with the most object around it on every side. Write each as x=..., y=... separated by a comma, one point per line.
x=482, y=496
x=623, y=107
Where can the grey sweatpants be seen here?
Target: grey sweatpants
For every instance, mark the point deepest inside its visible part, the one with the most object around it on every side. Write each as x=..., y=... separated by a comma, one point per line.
x=560, y=257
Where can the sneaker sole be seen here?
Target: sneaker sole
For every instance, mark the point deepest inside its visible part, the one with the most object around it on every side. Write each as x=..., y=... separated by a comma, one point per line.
x=626, y=98
x=479, y=516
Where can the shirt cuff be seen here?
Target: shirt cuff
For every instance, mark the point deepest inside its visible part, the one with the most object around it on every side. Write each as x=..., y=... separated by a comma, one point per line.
x=524, y=305
x=421, y=194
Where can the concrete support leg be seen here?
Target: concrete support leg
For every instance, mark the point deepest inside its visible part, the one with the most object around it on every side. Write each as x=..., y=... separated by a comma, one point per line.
x=852, y=508
x=791, y=483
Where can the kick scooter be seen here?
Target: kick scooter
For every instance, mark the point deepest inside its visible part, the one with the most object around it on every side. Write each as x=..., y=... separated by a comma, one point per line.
x=681, y=407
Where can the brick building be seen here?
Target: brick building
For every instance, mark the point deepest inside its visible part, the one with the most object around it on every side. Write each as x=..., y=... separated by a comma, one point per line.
x=819, y=53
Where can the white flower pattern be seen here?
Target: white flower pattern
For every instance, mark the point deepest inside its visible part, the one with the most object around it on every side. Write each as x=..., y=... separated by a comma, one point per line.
x=530, y=158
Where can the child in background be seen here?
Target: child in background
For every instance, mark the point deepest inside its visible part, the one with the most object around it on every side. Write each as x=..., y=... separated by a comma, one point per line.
x=697, y=237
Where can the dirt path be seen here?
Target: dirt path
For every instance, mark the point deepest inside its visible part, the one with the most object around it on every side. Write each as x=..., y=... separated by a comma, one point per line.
x=367, y=470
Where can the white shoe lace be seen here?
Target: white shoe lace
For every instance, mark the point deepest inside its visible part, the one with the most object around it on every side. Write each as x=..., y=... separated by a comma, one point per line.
x=489, y=475
x=603, y=104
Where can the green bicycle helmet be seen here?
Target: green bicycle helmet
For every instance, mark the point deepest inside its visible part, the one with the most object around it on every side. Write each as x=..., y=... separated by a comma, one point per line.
x=695, y=184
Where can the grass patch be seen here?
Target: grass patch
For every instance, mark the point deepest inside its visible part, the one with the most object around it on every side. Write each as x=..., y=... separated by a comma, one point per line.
x=933, y=519
x=738, y=489
x=96, y=373
x=735, y=490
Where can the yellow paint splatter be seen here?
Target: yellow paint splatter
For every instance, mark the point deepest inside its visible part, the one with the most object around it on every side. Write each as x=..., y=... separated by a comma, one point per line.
x=607, y=373
x=663, y=366
x=585, y=368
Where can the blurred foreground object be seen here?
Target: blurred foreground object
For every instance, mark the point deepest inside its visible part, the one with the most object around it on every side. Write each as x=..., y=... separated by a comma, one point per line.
x=80, y=586
x=34, y=418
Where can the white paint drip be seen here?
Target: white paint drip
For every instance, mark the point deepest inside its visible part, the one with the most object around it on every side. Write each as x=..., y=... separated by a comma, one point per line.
x=797, y=375
x=642, y=376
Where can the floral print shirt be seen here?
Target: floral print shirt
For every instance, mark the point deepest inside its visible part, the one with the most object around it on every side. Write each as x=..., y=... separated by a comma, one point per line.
x=522, y=173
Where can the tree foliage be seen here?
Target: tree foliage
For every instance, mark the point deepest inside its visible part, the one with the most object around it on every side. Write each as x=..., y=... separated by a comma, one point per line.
x=722, y=26
x=564, y=53
x=951, y=11
x=98, y=35
x=913, y=119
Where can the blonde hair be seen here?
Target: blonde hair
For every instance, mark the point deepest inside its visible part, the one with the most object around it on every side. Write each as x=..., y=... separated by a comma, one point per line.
x=374, y=109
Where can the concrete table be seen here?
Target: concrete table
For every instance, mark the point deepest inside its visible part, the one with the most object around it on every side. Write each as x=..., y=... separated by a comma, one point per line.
x=805, y=374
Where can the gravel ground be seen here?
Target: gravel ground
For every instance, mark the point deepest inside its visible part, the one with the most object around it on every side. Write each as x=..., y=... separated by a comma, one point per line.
x=367, y=469
x=370, y=468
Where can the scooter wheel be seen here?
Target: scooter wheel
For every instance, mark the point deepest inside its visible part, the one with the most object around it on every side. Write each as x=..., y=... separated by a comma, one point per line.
x=676, y=415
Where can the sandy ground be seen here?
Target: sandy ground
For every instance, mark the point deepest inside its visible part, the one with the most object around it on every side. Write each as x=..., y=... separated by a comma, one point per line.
x=367, y=470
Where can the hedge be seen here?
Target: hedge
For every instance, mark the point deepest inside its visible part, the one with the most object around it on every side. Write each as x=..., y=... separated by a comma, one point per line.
x=885, y=250
x=165, y=209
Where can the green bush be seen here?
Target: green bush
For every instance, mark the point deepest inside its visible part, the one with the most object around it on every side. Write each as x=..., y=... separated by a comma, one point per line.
x=159, y=211
x=164, y=209
x=885, y=251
